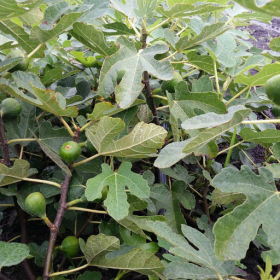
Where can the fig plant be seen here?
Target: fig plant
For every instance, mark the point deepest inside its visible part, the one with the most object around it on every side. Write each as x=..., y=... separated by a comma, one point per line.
x=141, y=137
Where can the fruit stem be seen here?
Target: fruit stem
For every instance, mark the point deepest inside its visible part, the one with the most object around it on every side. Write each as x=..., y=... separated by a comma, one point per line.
x=69, y=271
x=217, y=80
x=237, y=95
x=134, y=28
x=85, y=160
x=231, y=144
x=170, y=56
x=35, y=50
x=42, y=182
x=67, y=126
x=4, y=144
x=88, y=210
x=21, y=140
x=158, y=25
x=73, y=202
x=87, y=125
x=231, y=147
x=261, y=121
x=47, y=221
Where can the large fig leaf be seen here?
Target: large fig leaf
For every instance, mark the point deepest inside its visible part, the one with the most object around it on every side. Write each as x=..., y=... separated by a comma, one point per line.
x=97, y=251
x=202, y=144
x=190, y=262
x=116, y=201
x=142, y=141
x=134, y=63
x=237, y=229
x=97, y=244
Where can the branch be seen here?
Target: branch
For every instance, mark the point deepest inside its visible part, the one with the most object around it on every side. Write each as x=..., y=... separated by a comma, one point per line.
x=55, y=229
x=2, y=276
x=146, y=80
x=4, y=144
x=205, y=203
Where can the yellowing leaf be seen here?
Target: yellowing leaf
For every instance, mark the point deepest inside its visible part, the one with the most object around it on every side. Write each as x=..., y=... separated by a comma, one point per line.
x=142, y=141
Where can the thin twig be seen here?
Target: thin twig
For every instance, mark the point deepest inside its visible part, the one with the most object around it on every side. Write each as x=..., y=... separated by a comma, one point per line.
x=4, y=144
x=2, y=276
x=146, y=80
x=205, y=203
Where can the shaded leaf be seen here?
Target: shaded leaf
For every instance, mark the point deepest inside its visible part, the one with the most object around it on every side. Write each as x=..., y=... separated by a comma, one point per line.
x=170, y=200
x=136, y=260
x=20, y=169
x=97, y=244
x=46, y=99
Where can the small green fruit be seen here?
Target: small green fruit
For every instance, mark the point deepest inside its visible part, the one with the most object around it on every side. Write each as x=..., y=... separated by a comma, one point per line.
x=35, y=203
x=23, y=65
x=272, y=89
x=165, y=25
x=10, y=108
x=170, y=85
x=70, y=151
x=70, y=246
x=271, y=159
x=276, y=111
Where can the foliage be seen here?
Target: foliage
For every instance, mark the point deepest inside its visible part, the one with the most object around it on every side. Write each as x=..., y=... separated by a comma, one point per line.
x=117, y=115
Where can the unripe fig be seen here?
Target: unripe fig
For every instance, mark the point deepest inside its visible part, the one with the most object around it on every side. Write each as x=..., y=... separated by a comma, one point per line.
x=70, y=246
x=272, y=89
x=23, y=64
x=10, y=108
x=35, y=203
x=70, y=151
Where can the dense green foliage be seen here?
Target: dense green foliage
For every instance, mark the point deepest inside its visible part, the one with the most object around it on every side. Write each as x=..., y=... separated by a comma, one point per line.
x=115, y=110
